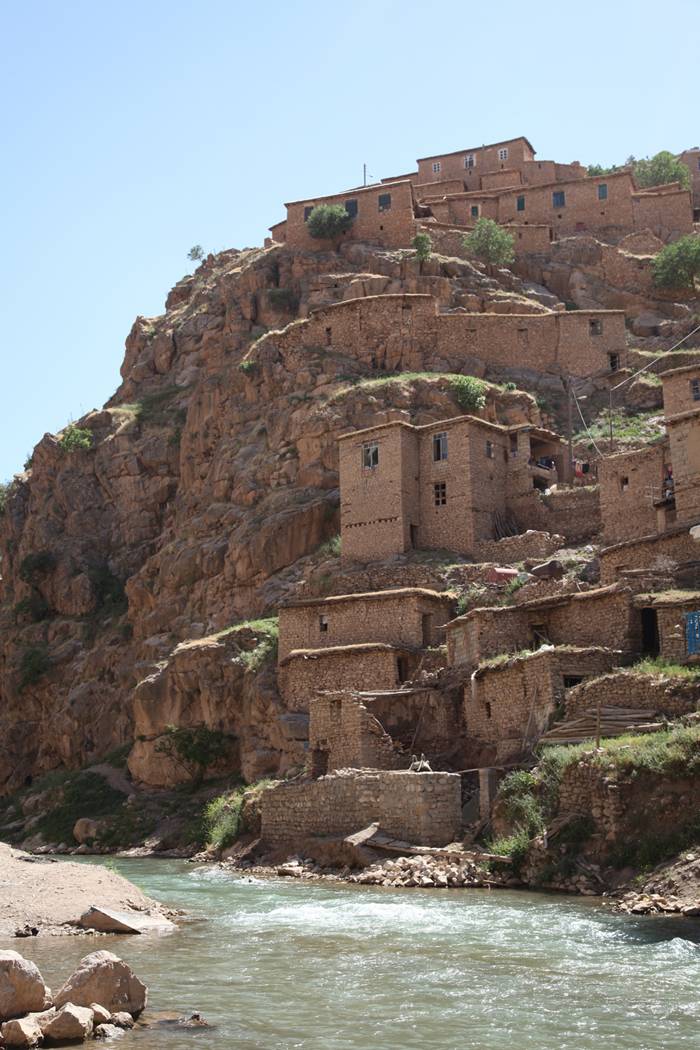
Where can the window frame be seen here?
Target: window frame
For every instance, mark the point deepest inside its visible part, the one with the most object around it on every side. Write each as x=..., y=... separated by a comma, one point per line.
x=370, y=455
x=439, y=493
x=440, y=447
x=437, y=167
x=602, y=191
x=470, y=161
x=558, y=198
x=503, y=153
x=352, y=207
x=520, y=202
x=490, y=449
x=308, y=208
x=323, y=624
x=384, y=202
x=695, y=389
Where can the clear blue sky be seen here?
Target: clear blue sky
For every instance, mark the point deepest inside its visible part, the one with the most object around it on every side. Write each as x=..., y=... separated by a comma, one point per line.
x=132, y=130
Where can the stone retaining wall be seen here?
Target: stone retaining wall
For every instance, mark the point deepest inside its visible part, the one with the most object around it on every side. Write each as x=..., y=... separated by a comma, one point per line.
x=423, y=808
x=659, y=693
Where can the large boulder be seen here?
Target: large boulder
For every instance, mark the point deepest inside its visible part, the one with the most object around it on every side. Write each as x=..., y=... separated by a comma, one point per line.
x=103, y=977
x=25, y=1031
x=71, y=1024
x=22, y=987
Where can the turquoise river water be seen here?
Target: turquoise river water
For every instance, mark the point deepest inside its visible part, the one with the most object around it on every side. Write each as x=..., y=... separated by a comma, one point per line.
x=285, y=965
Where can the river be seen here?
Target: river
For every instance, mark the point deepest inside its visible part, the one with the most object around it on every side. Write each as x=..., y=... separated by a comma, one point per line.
x=286, y=965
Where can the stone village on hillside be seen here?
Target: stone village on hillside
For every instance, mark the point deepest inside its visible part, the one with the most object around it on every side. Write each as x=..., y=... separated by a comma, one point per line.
x=368, y=673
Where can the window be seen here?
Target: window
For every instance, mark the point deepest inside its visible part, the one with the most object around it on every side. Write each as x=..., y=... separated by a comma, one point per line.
x=384, y=201
x=571, y=680
x=329, y=336
x=323, y=624
x=602, y=191
x=351, y=208
x=595, y=327
x=370, y=455
x=439, y=446
x=614, y=360
x=695, y=389
x=469, y=160
x=487, y=708
x=489, y=449
x=475, y=211
x=503, y=153
x=520, y=203
x=307, y=211
x=624, y=483
x=437, y=167
x=440, y=493
x=559, y=199
x=513, y=444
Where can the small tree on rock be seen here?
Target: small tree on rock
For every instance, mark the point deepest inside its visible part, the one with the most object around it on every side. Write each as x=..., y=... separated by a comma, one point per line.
x=659, y=170
x=196, y=253
x=490, y=243
x=328, y=222
x=423, y=246
x=678, y=265
x=194, y=749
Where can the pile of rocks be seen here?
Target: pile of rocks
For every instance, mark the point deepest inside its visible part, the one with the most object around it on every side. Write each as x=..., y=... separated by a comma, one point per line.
x=100, y=999
x=424, y=872
x=657, y=904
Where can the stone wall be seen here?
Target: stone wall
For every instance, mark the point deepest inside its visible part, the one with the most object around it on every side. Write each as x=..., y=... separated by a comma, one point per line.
x=629, y=484
x=343, y=734
x=484, y=159
x=530, y=544
x=684, y=441
x=665, y=551
x=679, y=394
x=663, y=695
x=667, y=212
x=423, y=808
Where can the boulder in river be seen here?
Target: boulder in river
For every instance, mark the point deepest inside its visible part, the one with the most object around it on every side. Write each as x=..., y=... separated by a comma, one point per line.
x=71, y=1024
x=23, y=1031
x=22, y=987
x=103, y=977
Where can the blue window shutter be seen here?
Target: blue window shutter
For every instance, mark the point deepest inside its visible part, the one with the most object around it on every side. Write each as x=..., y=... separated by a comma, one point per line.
x=692, y=633
x=351, y=208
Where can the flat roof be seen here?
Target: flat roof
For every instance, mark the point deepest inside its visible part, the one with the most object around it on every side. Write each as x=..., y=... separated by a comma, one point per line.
x=424, y=426
x=475, y=149
x=339, y=650
x=543, y=603
x=398, y=592
x=376, y=187
x=651, y=537
x=679, y=371
x=667, y=598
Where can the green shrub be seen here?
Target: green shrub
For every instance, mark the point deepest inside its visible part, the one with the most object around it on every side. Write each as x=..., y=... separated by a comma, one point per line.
x=423, y=246
x=108, y=590
x=515, y=846
x=509, y=386
x=35, y=607
x=222, y=819
x=33, y=665
x=328, y=222
x=490, y=243
x=599, y=169
x=196, y=253
x=83, y=794
x=35, y=565
x=194, y=748
x=659, y=665
x=677, y=265
x=468, y=392
x=248, y=367
x=75, y=439
x=331, y=548
x=659, y=170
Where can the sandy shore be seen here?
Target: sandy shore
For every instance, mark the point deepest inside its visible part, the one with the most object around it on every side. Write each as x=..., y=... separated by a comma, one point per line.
x=51, y=894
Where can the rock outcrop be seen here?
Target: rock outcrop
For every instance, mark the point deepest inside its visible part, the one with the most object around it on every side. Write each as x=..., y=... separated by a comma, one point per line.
x=104, y=978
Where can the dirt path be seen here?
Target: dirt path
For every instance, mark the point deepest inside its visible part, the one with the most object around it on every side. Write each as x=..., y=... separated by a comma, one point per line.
x=47, y=893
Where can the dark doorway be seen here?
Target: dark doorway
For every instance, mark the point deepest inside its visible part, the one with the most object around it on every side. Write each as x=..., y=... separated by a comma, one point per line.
x=427, y=626
x=319, y=762
x=413, y=529
x=650, y=632
x=402, y=668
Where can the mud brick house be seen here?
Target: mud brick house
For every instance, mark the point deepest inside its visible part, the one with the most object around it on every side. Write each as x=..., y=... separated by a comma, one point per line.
x=509, y=704
x=666, y=551
x=424, y=808
x=443, y=485
x=654, y=488
x=383, y=214
x=691, y=159
x=508, y=163
x=373, y=665
x=601, y=617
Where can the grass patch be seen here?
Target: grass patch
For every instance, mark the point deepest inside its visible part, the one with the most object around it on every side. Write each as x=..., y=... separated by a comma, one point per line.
x=157, y=410
x=657, y=665
x=504, y=658
x=222, y=818
x=667, y=752
x=266, y=649
x=75, y=439
x=468, y=392
x=629, y=428
x=331, y=548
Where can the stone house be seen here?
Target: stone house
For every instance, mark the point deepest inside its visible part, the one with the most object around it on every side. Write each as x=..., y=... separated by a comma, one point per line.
x=406, y=618
x=669, y=622
x=691, y=159
x=652, y=489
x=508, y=163
x=449, y=484
x=383, y=214
x=604, y=617
x=407, y=332
x=508, y=704
x=372, y=665
x=666, y=550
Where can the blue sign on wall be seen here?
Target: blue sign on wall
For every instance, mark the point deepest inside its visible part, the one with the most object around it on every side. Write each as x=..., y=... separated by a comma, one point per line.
x=692, y=632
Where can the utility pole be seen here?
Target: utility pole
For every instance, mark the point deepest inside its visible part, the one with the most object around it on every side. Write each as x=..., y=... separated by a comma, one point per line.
x=610, y=419
x=364, y=174
x=570, y=427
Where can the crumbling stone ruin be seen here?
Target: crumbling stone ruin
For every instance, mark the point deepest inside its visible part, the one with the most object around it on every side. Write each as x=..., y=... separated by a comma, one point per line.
x=349, y=508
